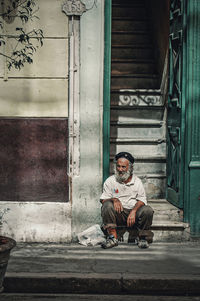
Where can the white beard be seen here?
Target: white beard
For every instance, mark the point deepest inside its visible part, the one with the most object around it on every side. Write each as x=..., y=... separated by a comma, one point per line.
x=123, y=176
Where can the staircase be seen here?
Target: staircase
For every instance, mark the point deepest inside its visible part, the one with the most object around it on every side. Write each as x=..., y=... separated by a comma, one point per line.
x=138, y=116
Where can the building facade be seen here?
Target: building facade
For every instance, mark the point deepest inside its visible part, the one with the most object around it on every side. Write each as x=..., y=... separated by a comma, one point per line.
x=62, y=116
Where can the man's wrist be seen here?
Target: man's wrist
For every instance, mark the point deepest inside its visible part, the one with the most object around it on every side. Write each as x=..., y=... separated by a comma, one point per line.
x=114, y=200
x=111, y=200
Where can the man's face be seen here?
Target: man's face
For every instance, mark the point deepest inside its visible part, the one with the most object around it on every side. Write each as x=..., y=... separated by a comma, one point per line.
x=122, y=172
x=122, y=166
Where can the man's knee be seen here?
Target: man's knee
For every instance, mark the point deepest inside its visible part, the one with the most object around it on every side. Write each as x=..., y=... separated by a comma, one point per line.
x=149, y=211
x=107, y=206
x=145, y=210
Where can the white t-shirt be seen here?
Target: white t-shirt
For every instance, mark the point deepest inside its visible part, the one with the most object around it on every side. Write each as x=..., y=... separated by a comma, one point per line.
x=128, y=193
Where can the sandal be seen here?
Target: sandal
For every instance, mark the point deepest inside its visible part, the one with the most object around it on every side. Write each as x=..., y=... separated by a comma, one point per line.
x=110, y=242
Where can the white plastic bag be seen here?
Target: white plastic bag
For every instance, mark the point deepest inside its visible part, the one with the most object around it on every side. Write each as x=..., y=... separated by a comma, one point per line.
x=92, y=236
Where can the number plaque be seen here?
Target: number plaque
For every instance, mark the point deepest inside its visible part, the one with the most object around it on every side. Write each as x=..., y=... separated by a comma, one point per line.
x=74, y=8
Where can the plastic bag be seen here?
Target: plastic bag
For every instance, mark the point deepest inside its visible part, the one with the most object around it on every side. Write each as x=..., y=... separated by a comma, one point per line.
x=92, y=236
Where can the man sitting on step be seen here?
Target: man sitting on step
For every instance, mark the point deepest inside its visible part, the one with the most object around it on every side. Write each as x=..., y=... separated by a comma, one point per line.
x=124, y=205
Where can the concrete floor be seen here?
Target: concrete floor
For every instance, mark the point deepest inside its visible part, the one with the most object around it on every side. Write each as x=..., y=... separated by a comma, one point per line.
x=164, y=268
x=76, y=297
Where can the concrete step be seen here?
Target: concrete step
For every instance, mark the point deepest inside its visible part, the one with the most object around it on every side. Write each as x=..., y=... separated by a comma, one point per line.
x=163, y=269
x=130, y=37
x=170, y=231
x=134, y=81
x=132, y=66
x=137, y=140
x=154, y=184
x=89, y=297
x=138, y=148
x=137, y=12
x=137, y=97
x=120, y=23
x=144, y=130
x=140, y=123
x=164, y=211
x=132, y=113
x=135, y=3
x=132, y=51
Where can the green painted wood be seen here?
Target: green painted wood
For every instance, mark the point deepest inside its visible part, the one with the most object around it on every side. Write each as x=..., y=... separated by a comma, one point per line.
x=184, y=119
x=192, y=144
x=107, y=79
x=176, y=105
x=184, y=116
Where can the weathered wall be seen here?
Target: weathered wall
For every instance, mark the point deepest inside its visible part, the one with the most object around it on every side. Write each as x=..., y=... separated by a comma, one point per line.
x=44, y=94
x=42, y=87
x=33, y=156
x=37, y=222
x=87, y=186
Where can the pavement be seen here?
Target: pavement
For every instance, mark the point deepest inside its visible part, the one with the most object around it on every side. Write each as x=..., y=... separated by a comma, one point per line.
x=84, y=297
x=165, y=269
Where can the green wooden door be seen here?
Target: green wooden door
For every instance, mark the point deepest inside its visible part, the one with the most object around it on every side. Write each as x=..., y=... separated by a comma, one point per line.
x=176, y=106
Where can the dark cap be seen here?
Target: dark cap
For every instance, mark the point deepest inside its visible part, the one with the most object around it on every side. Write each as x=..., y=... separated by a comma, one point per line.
x=125, y=155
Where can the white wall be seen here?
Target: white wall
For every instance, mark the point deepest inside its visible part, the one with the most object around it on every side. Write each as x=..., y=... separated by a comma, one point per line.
x=87, y=187
x=36, y=222
x=39, y=89
x=43, y=222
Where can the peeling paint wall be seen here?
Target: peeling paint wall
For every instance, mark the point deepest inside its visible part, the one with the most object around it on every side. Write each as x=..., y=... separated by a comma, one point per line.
x=86, y=188
x=42, y=87
x=37, y=222
x=41, y=97
x=38, y=92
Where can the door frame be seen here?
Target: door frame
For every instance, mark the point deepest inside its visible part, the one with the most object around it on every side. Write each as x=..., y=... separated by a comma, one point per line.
x=177, y=197
x=106, y=88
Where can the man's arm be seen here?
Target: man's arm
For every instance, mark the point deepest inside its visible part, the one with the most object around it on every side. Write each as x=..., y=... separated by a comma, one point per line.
x=116, y=203
x=132, y=214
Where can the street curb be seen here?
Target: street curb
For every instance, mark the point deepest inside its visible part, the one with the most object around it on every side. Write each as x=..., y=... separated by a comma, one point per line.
x=93, y=283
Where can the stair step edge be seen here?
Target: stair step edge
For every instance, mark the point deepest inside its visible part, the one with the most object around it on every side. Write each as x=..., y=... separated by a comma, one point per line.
x=135, y=75
x=138, y=61
x=152, y=176
x=146, y=107
x=160, y=201
x=137, y=140
x=121, y=18
x=145, y=158
x=131, y=32
x=137, y=46
x=138, y=91
x=138, y=123
x=129, y=4
x=167, y=225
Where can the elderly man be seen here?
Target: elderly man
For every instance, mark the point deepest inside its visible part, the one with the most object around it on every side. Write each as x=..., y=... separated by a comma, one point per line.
x=124, y=204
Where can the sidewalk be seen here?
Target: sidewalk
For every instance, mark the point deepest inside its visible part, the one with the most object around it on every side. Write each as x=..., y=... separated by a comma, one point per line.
x=164, y=268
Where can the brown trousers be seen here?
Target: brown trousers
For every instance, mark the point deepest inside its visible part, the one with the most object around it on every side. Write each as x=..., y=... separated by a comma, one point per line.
x=113, y=219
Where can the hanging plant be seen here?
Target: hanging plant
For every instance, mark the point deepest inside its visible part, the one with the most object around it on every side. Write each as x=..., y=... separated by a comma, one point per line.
x=24, y=43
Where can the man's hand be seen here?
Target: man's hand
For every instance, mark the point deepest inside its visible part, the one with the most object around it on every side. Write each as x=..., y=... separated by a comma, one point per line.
x=117, y=205
x=131, y=218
